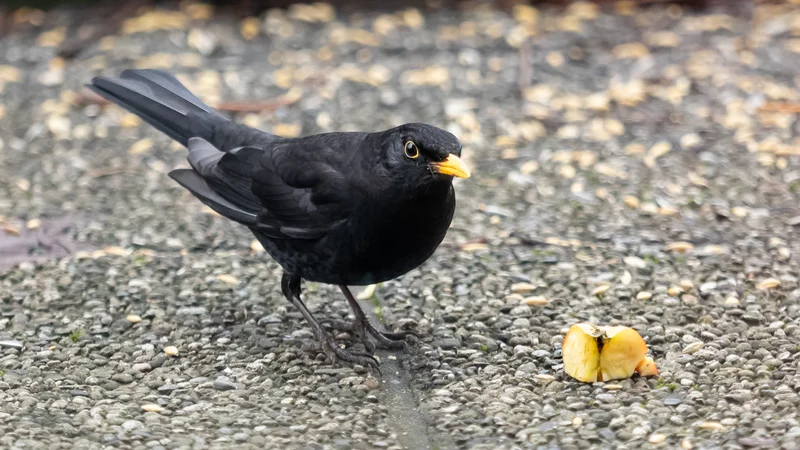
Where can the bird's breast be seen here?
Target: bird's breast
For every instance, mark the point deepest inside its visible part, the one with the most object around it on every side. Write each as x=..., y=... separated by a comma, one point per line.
x=390, y=238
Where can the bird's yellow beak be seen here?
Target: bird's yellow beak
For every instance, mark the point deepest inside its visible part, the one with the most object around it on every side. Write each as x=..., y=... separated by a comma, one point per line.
x=451, y=166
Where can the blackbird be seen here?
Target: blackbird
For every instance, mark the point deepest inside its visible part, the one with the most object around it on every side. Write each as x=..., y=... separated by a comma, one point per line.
x=340, y=208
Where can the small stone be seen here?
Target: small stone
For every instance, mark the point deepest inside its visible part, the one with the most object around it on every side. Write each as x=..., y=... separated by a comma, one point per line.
x=686, y=444
x=577, y=421
x=371, y=383
x=644, y=295
x=11, y=344
x=166, y=389
x=142, y=367
x=191, y=311
x=152, y=407
x=224, y=384
x=129, y=425
x=171, y=350
x=123, y=378
x=707, y=287
x=657, y=438
x=447, y=343
x=133, y=318
x=686, y=285
x=543, y=378
x=612, y=387
x=689, y=299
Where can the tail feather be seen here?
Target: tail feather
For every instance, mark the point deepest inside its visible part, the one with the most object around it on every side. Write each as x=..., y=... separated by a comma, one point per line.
x=161, y=101
x=165, y=84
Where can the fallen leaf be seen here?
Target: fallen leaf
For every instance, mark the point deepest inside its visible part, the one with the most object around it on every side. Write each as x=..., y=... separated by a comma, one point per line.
x=769, y=283
x=228, y=279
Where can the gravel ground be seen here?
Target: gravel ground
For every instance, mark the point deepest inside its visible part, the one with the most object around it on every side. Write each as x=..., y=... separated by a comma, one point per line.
x=631, y=166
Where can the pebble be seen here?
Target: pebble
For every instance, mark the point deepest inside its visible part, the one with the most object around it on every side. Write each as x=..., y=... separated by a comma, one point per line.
x=166, y=389
x=142, y=367
x=171, y=350
x=191, y=311
x=543, y=378
x=11, y=344
x=657, y=438
x=448, y=343
x=224, y=384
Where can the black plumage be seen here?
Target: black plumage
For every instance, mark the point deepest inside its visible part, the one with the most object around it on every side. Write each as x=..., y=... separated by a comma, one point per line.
x=335, y=208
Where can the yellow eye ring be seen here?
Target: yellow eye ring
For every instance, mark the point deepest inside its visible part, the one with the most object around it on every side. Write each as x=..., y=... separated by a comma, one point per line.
x=411, y=150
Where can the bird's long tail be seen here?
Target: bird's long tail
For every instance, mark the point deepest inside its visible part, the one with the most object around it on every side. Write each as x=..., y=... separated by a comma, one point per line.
x=161, y=101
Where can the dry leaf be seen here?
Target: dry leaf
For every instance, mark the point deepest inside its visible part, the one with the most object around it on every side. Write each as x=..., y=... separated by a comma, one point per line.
x=769, y=283
x=141, y=146
x=228, y=279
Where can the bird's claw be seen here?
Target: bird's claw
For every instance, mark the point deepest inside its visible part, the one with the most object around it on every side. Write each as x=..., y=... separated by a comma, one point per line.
x=361, y=328
x=334, y=352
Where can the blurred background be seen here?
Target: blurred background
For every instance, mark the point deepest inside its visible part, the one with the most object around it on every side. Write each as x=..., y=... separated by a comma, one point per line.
x=635, y=162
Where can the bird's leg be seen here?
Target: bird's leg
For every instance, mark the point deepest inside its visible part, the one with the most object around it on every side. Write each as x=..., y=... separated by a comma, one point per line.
x=290, y=285
x=361, y=326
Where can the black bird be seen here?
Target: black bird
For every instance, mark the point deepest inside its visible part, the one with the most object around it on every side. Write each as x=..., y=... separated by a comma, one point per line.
x=334, y=208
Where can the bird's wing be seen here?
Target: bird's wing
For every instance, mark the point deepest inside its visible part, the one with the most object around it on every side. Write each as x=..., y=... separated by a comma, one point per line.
x=302, y=189
x=222, y=180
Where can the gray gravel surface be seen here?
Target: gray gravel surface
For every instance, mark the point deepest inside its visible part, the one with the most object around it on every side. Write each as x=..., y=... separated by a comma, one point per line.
x=631, y=166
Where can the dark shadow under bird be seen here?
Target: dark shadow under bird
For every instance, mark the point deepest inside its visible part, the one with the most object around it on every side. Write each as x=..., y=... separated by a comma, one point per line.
x=335, y=208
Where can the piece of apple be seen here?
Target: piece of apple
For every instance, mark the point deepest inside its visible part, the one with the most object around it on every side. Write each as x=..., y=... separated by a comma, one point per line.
x=623, y=350
x=580, y=352
x=647, y=368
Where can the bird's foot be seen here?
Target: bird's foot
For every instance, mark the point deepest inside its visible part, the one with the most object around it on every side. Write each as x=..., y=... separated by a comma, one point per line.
x=334, y=353
x=362, y=328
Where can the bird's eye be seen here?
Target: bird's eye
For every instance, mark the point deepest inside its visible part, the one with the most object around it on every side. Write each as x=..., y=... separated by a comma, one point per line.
x=411, y=150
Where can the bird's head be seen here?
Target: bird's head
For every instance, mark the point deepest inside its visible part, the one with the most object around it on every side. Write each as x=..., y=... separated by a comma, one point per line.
x=419, y=154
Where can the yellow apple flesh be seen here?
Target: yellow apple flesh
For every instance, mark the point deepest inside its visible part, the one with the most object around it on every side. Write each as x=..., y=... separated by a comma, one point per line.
x=593, y=353
x=580, y=352
x=624, y=349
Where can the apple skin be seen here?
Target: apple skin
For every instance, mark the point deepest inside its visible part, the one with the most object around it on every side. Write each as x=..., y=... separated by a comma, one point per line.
x=580, y=353
x=647, y=368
